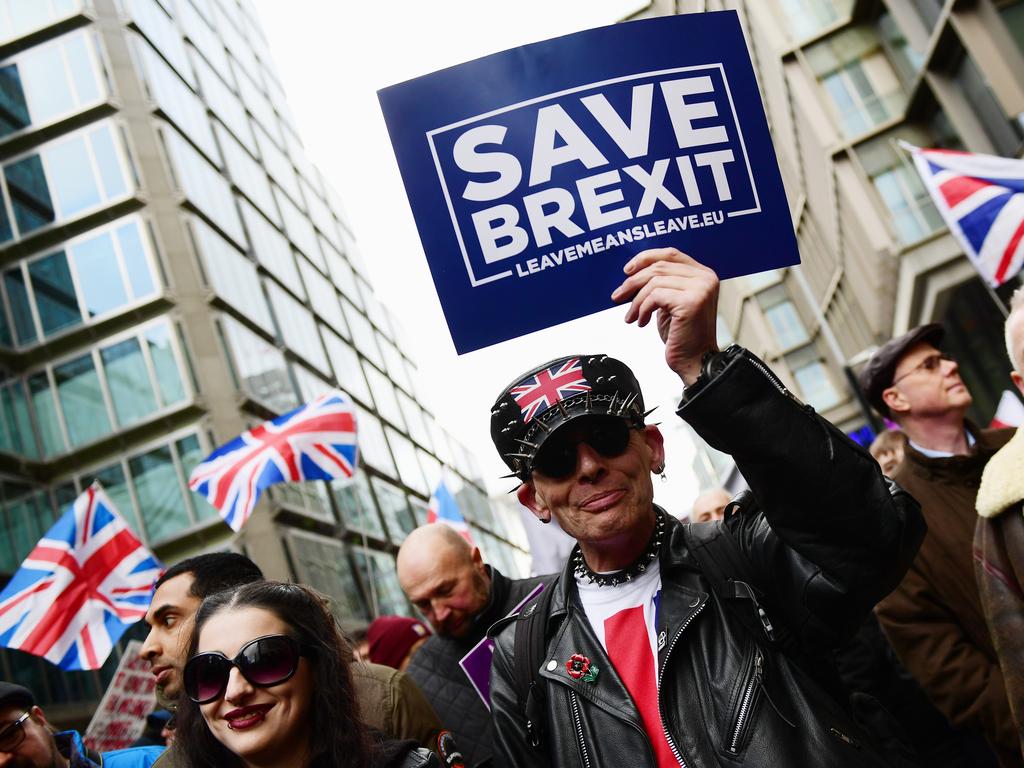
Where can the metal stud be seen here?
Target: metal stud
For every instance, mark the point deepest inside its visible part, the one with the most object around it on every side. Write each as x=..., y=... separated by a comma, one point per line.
x=611, y=405
x=589, y=404
x=561, y=408
x=527, y=443
x=542, y=425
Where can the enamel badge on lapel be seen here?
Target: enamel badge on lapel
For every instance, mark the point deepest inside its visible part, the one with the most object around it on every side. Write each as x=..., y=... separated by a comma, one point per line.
x=579, y=668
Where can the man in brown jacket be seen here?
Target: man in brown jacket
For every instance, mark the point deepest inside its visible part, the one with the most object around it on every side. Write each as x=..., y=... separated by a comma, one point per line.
x=934, y=619
x=999, y=536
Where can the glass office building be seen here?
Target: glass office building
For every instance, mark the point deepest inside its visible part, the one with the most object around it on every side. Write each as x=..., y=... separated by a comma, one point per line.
x=174, y=270
x=843, y=81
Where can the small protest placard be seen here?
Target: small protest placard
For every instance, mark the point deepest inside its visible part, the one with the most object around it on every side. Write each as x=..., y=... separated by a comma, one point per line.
x=534, y=174
x=477, y=663
x=121, y=715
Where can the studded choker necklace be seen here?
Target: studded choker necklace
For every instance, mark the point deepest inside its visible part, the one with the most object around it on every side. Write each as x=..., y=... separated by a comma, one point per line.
x=581, y=570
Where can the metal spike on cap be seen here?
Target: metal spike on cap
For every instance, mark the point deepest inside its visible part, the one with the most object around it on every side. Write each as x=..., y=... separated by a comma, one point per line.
x=562, y=410
x=527, y=443
x=542, y=425
x=626, y=403
x=650, y=411
x=588, y=402
x=509, y=475
x=519, y=455
x=612, y=403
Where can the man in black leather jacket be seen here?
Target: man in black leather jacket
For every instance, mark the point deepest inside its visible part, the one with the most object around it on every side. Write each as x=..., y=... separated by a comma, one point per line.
x=649, y=661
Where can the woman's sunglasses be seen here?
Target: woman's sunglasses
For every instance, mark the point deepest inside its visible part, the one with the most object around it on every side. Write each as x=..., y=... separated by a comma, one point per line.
x=264, y=662
x=608, y=435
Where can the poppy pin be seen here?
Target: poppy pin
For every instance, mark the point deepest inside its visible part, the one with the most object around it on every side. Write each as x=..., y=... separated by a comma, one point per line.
x=579, y=668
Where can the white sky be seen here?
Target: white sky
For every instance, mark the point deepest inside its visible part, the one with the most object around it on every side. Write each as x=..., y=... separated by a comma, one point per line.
x=333, y=56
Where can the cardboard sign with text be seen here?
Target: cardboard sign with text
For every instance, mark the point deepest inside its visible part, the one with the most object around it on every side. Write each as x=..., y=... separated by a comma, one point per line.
x=121, y=715
x=534, y=174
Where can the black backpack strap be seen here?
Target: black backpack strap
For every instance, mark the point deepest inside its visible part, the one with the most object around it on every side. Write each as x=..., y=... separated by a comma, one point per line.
x=725, y=566
x=530, y=652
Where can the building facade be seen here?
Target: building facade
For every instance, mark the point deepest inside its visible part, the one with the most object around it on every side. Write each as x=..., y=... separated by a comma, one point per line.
x=842, y=82
x=173, y=270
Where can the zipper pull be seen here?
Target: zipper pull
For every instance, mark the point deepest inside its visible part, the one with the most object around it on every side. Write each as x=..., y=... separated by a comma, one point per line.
x=758, y=667
x=843, y=737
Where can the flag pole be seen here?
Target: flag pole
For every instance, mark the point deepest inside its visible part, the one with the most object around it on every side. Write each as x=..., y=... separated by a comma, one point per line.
x=904, y=150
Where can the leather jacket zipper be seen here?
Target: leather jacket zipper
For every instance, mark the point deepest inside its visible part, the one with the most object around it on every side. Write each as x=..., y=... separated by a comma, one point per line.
x=579, y=728
x=747, y=703
x=661, y=674
x=769, y=374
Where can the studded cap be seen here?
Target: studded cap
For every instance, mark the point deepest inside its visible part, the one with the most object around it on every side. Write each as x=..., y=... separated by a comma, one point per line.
x=537, y=403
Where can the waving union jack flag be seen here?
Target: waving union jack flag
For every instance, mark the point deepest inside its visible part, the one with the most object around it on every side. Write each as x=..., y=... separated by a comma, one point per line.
x=535, y=394
x=85, y=583
x=981, y=198
x=316, y=441
x=444, y=508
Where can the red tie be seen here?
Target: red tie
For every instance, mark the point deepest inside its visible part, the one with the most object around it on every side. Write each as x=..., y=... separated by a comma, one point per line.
x=629, y=648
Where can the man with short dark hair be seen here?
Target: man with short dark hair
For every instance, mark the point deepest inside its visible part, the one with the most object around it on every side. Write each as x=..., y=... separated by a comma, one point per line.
x=445, y=577
x=672, y=645
x=27, y=740
x=176, y=598
x=934, y=618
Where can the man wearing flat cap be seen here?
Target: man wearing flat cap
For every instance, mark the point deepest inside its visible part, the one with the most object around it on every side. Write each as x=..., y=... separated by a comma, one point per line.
x=934, y=619
x=27, y=740
x=667, y=645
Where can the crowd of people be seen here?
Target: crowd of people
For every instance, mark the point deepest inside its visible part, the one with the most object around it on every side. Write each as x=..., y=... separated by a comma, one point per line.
x=851, y=608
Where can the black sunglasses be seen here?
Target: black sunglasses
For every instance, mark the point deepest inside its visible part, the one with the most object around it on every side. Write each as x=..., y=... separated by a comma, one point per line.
x=608, y=435
x=13, y=733
x=265, y=661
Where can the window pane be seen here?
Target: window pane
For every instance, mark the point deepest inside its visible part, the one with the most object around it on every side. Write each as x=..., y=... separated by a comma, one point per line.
x=816, y=386
x=231, y=275
x=74, y=184
x=135, y=262
x=108, y=162
x=17, y=296
x=784, y=320
x=19, y=433
x=130, y=389
x=116, y=485
x=161, y=350
x=259, y=367
x=98, y=274
x=159, y=493
x=47, y=84
x=46, y=414
x=191, y=454
x=395, y=508
x=81, y=399
x=13, y=109
x=30, y=195
x=357, y=506
x=55, y=293
x=83, y=71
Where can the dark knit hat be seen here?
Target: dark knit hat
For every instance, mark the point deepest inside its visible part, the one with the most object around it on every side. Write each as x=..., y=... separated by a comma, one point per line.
x=15, y=695
x=537, y=403
x=391, y=637
x=877, y=375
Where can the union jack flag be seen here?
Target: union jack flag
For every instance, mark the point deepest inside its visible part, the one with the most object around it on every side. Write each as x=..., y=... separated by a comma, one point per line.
x=981, y=198
x=535, y=394
x=316, y=441
x=87, y=580
x=443, y=508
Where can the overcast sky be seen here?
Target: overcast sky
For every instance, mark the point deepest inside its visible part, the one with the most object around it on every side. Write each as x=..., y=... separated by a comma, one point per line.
x=333, y=56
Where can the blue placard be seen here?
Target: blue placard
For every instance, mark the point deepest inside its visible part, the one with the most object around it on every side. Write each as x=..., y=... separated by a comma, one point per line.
x=534, y=174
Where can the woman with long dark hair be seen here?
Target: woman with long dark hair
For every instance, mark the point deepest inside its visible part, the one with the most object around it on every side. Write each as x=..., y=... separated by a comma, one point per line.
x=268, y=683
